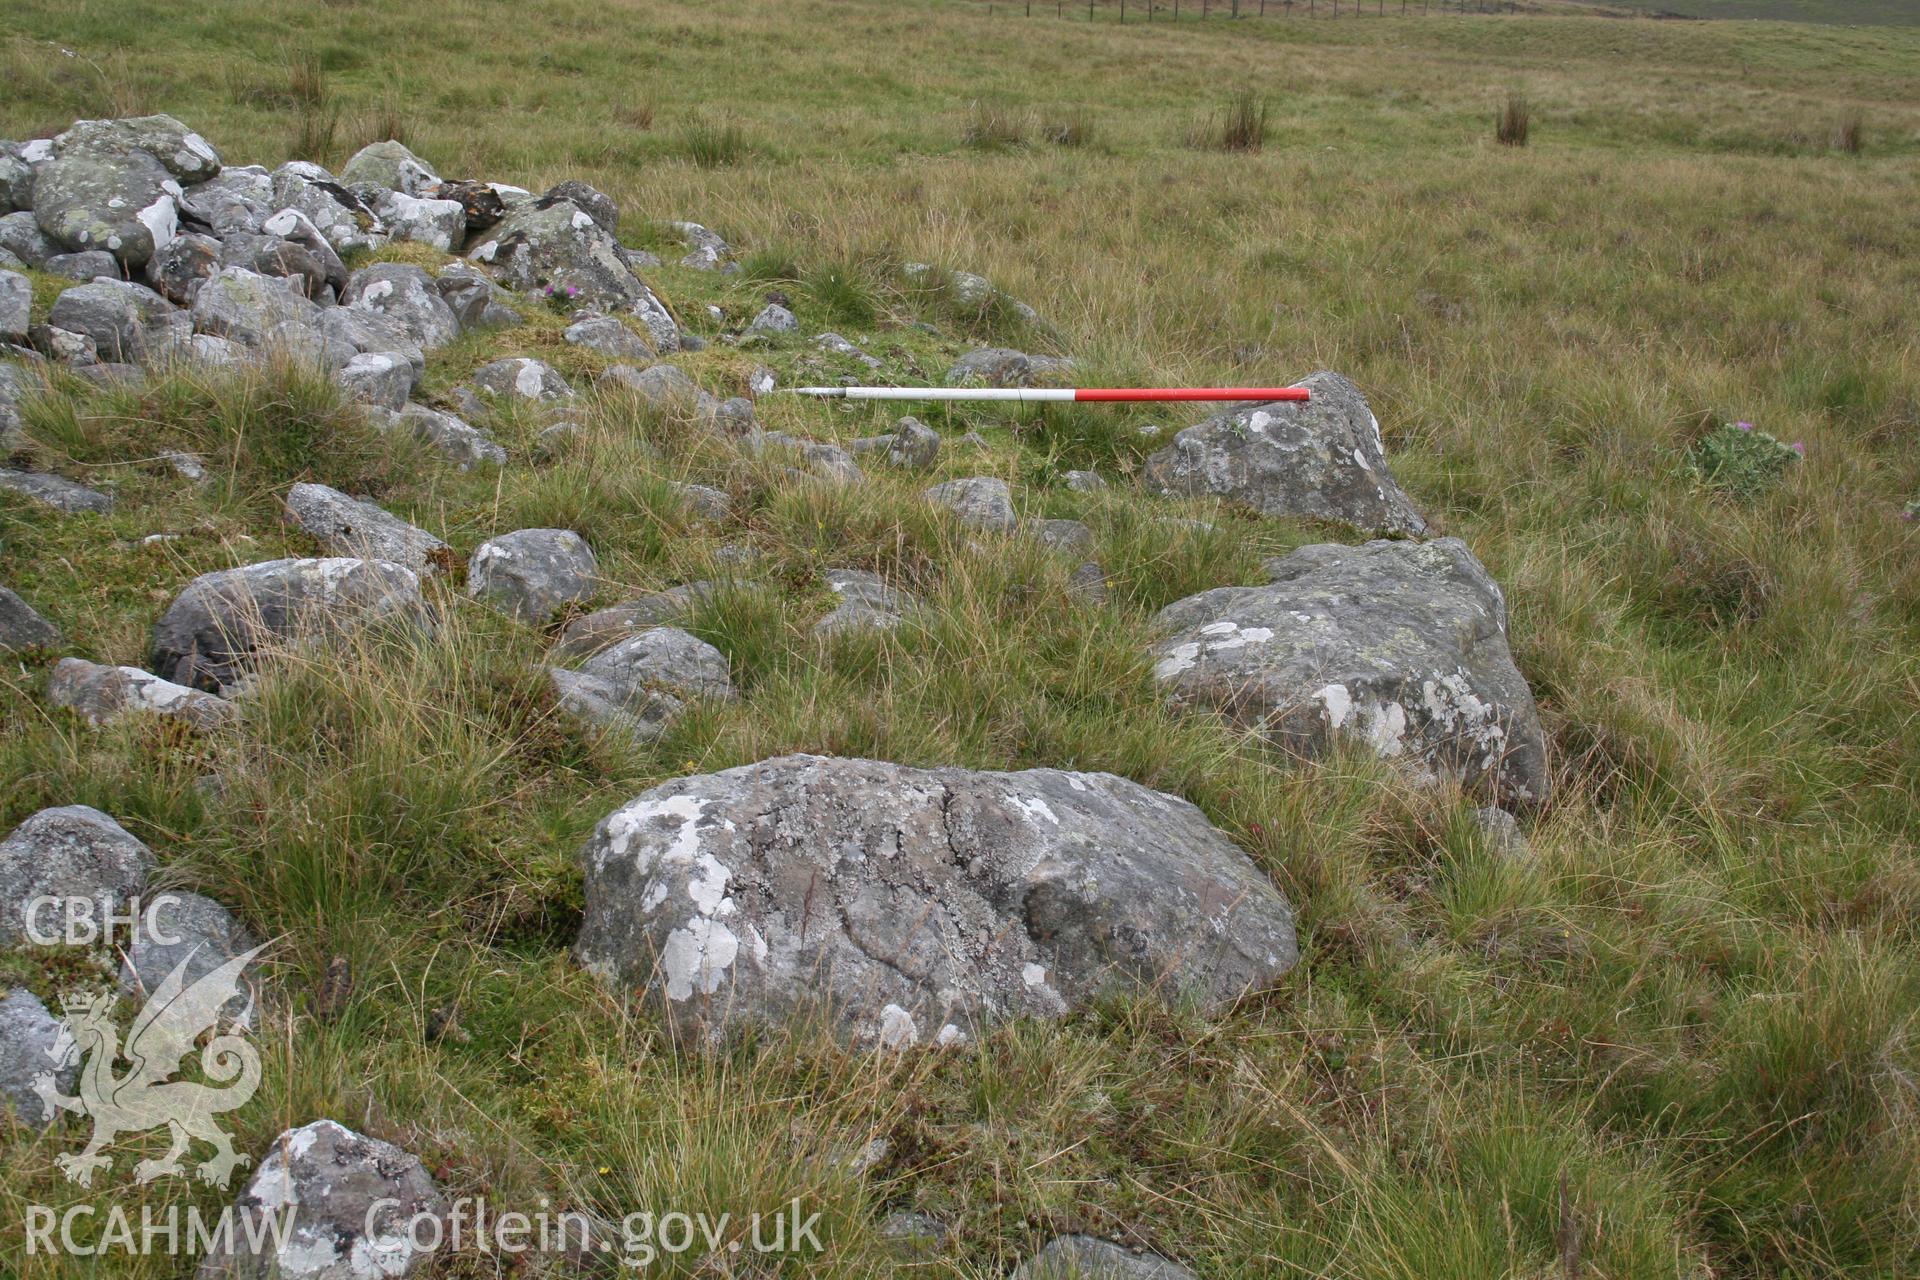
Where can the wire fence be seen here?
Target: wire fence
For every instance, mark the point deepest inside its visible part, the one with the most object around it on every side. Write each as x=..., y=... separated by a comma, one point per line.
x=1200, y=10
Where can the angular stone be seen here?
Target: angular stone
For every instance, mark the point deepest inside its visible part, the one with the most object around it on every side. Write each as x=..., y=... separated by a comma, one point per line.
x=21, y=236
x=102, y=693
x=598, y=205
x=112, y=313
x=391, y=166
x=88, y=264
x=251, y=309
x=122, y=202
x=916, y=906
x=866, y=601
x=406, y=295
x=560, y=244
x=71, y=852
x=192, y=930
x=300, y=232
x=1086, y=1258
x=594, y=631
x=177, y=271
x=209, y=633
x=30, y=1039
x=463, y=444
x=1085, y=481
x=609, y=337
x=382, y=378
x=641, y=683
x=661, y=386
x=1067, y=536
x=237, y=199
x=439, y=223
x=21, y=626
x=349, y=527
x=774, y=319
x=984, y=502
x=1401, y=646
x=342, y=217
x=532, y=572
x=707, y=502
x=16, y=306
x=353, y=1201
x=1323, y=460
x=523, y=378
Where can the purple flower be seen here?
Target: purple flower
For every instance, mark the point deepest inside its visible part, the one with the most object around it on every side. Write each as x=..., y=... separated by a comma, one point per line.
x=1799, y=447
x=1744, y=426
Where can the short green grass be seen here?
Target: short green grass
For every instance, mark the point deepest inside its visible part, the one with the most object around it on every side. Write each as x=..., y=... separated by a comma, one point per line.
x=1679, y=1041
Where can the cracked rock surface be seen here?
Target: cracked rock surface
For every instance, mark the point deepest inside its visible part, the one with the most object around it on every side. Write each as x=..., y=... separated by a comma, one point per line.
x=914, y=905
x=1400, y=645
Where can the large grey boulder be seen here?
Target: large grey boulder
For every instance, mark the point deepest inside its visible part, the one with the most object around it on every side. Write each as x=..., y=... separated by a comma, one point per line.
x=774, y=320
x=598, y=204
x=318, y=276
x=18, y=385
x=439, y=223
x=258, y=311
x=1088, y=1258
x=381, y=378
x=591, y=632
x=31, y=1049
x=1401, y=646
x=86, y=265
x=22, y=627
x=642, y=682
x=524, y=379
x=349, y=527
x=207, y=635
x=406, y=295
x=478, y=303
x=463, y=444
x=237, y=199
x=391, y=166
x=72, y=852
x=984, y=502
x=122, y=201
x=114, y=313
x=916, y=905
x=531, y=572
x=17, y=165
x=663, y=387
x=16, y=306
x=298, y=231
x=103, y=693
x=184, y=154
x=369, y=332
x=352, y=1201
x=1324, y=460
x=341, y=216
x=52, y=491
x=557, y=243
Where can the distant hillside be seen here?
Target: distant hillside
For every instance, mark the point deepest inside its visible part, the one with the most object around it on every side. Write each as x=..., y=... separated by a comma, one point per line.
x=1898, y=13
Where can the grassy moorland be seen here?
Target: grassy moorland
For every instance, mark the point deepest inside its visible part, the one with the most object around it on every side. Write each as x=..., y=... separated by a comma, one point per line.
x=1678, y=1041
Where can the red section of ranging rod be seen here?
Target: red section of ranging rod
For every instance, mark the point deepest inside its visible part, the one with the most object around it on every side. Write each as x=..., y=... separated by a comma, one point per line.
x=1190, y=393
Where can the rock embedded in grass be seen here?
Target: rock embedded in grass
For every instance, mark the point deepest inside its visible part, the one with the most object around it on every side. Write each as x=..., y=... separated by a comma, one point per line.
x=406, y=295
x=354, y=1208
x=21, y=626
x=193, y=930
x=524, y=379
x=917, y=906
x=114, y=313
x=529, y=573
x=30, y=1039
x=350, y=527
x=608, y=336
x=104, y=693
x=381, y=378
x=866, y=601
x=214, y=627
x=982, y=502
x=1088, y=1258
x=559, y=244
x=592, y=632
x=1323, y=460
x=1400, y=646
x=1003, y=367
x=460, y=442
x=52, y=491
x=72, y=852
x=773, y=320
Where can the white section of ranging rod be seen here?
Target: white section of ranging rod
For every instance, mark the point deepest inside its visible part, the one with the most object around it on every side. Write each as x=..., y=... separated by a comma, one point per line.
x=1017, y=394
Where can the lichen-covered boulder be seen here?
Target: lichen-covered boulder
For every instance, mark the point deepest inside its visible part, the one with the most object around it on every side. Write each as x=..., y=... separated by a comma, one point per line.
x=406, y=295
x=389, y=165
x=522, y=378
x=327, y=271
x=642, y=682
x=1004, y=367
x=608, y=336
x=177, y=271
x=349, y=527
x=352, y=1200
x=119, y=201
x=102, y=693
x=192, y=930
x=1323, y=459
x=983, y=502
x=915, y=905
x=239, y=198
x=591, y=632
x=867, y=601
x=256, y=311
x=1089, y=1258
x=342, y=217
x=16, y=306
x=182, y=152
x=114, y=313
x=382, y=378
x=206, y=637
x=21, y=236
x=1400, y=645
x=439, y=223
x=70, y=852
x=557, y=243
x=531, y=572
x=462, y=443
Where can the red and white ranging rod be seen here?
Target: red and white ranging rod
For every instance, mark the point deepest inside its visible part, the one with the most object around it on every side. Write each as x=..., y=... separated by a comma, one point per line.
x=1030, y=395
